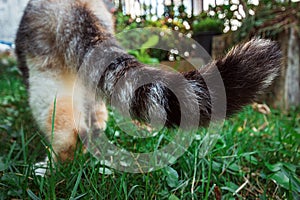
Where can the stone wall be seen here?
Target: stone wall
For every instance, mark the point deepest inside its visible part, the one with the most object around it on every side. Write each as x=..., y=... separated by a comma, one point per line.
x=292, y=82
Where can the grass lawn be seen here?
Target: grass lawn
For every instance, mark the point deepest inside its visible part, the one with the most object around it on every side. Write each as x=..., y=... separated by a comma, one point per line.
x=256, y=157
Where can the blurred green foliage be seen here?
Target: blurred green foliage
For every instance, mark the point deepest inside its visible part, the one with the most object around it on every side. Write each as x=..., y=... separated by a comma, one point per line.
x=207, y=24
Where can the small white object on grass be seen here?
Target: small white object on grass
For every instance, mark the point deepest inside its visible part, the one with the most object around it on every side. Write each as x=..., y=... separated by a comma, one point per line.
x=241, y=187
x=40, y=168
x=104, y=170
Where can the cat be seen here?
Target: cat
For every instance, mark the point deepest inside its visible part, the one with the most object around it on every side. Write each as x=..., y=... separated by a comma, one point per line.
x=56, y=37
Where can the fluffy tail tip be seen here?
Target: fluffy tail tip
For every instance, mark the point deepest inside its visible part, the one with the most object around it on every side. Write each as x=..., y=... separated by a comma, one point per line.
x=257, y=60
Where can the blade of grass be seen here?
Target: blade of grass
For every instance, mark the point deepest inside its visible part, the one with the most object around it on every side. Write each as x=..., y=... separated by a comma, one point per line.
x=80, y=196
x=74, y=190
x=208, y=178
x=50, y=154
x=24, y=146
x=32, y=195
x=195, y=173
x=53, y=120
x=11, y=151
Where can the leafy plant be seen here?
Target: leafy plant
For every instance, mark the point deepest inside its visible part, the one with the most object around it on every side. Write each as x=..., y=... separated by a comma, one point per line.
x=208, y=24
x=285, y=175
x=270, y=19
x=177, y=22
x=142, y=54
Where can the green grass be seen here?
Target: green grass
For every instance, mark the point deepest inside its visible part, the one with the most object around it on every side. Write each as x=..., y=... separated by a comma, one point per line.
x=266, y=160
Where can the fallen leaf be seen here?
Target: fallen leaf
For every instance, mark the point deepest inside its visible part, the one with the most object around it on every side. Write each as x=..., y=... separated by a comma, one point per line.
x=262, y=108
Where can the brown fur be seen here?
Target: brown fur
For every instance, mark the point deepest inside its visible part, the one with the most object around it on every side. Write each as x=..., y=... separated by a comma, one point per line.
x=64, y=130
